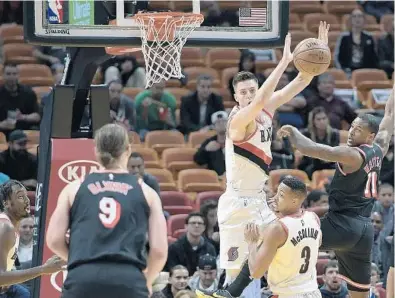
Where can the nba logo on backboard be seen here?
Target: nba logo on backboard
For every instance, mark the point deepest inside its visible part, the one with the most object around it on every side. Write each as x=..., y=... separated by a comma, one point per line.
x=55, y=11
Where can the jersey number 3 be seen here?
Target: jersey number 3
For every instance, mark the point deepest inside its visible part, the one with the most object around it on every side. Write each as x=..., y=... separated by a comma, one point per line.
x=305, y=255
x=110, y=212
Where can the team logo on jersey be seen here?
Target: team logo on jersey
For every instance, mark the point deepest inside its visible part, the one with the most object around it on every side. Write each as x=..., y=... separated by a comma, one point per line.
x=77, y=169
x=233, y=254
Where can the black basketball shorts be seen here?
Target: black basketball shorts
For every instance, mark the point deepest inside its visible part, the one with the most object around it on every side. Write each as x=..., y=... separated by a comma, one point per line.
x=104, y=281
x=351, y=238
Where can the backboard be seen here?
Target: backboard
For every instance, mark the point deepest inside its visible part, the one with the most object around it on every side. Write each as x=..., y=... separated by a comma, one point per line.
x=86, y=23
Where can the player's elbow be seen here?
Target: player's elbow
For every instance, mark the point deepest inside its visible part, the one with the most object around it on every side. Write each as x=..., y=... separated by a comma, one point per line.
x=54, y=241
x=159, y=252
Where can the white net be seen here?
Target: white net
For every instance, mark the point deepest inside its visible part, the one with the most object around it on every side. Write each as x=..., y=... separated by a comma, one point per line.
x=162, y=40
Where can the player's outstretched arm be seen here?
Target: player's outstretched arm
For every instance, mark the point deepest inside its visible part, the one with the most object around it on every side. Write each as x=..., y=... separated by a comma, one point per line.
x=301, y=81
x=259, y=259
x=243, y=118
x=60, y=220
x=341, y=154
x=7, y=278
x=157, y=235
x=386, y=129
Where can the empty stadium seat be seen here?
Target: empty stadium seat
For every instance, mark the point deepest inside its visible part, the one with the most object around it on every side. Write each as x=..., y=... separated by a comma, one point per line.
x=177, y=159
x=150, y=156
x=196, y=138
x=228, y=74
x=339, y=7
x=132, y=92
x=165, y=179
x=174, y=198
x=181, y=232
x=11, y=33
x=198, y=180
x=222, y=58
x=160, y=140
x=178, y=93
x=298, y=36
x=175, y=222
x=18, y=53
x=312, y=21
x=134, y=138
x=194, y=72
x=341, y=80
x=206, y=196
x=41, y=91
x=303, y=7
x=370, y=23
x=294, y=22
x=276, y=175
x=192, y=57
x=173, y=210
x=319, y=178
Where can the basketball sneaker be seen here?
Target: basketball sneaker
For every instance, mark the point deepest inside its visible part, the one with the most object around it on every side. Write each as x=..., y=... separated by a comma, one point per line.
x=216, y=294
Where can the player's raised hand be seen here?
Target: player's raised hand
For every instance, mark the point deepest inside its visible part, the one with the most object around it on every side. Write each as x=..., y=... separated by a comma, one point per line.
x=287, y=54
x=323, y=31
x=251, y=233
x=285, y=131
x=53, y=264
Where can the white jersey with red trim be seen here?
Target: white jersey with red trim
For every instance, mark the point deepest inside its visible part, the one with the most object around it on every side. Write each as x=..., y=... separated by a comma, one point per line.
x=293, y=270
x=12, y=254
x=247, y=162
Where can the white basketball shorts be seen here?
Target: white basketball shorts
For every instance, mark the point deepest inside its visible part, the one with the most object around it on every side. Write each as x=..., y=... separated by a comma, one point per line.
x=234, y=212
x=314, y=294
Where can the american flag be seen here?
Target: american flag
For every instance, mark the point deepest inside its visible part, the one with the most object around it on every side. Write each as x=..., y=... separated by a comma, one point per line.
x=252, y=17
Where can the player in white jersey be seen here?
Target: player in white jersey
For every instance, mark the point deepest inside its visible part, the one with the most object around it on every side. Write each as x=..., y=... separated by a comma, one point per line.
x=289, y=250
x=14, y=206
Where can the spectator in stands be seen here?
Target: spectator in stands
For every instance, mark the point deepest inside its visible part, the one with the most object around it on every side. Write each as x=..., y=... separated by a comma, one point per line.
x=333, y=286
x=336, y=109
x=178, y=281
x=319, y=130
x=387, y=166
x=355, y=49
x=282, y=153
x=316, y=198
x=209, y=211
x=188, y=248
x=376, y=290
x=121, y=106
x=17, y=162
x=197, y=108
x=291, y=112
x=185, y=294
x=386, y=48
x=377, y=221
x=156, y=109
x=247, y=63
x=25, y=249
x=50, y=55
x=18, y=105
x=377, y=8
x=136, y=167
x=212, y=151
x=128, y=70
x=11, y=12
x=206, y=277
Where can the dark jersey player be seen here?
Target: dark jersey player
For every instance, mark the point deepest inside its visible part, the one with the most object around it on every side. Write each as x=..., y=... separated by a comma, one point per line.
x=109, y=214
x=346, y=228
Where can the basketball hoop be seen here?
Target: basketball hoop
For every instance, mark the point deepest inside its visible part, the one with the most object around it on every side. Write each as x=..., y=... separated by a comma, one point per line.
x=163, y=35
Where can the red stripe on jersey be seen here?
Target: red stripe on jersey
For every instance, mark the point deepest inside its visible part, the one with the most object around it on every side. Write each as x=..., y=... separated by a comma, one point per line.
x=256, y=151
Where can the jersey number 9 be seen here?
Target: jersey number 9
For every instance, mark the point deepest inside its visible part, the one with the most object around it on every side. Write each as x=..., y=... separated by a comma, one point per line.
x=110, y=212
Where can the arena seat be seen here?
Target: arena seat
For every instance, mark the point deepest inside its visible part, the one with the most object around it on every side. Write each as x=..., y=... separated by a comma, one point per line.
x=370, y=23
x=339, y=7
x=222, y=58
x=159, y=140
x=227, y=74
x=294, y=22
x=198, y=180
x=298, y=36
x=175, y=222
x=173, y=210
x=192, y=57
x=177, y=159
x=196, y=138
x=206, y=196
x=224, y=93
x=132, y=92
x=151, y=159
x=276, y=175
x=18, y=53
x=11, y=33
x=134, y=138
x=32, y=197
x=181, y=232
x=41, y=91
x=312, y=21
x=319, y=178
x=165, y=179
x=303, y=7
x=178, y=93
x=33, y=136
x=174, y=198
x=341, y=80
x=320, y=267
x=194, y=72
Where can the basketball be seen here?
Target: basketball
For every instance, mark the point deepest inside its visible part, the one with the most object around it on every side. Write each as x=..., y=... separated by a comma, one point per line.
x=312, y=56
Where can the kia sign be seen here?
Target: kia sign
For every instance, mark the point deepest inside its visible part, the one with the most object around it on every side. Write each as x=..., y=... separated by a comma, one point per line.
x=72, y=159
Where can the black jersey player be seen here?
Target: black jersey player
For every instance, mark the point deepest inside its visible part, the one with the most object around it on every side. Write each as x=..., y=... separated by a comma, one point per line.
x=109, y=214
x=346, y=228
